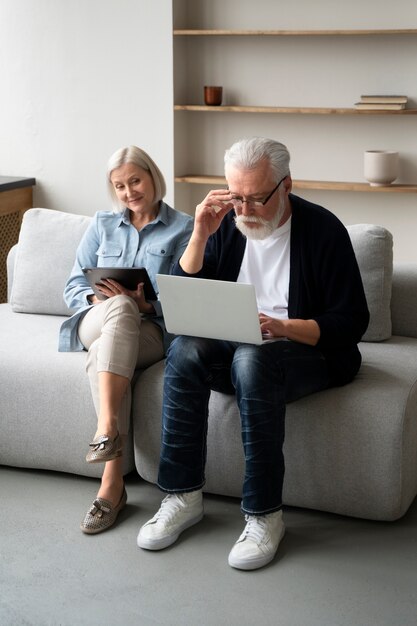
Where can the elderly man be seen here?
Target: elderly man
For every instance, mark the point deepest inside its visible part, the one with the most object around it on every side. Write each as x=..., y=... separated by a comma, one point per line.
x=310, y=299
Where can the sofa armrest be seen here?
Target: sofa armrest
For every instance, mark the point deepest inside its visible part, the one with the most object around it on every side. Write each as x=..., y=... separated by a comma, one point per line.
x=11, y=257
x=404, y=300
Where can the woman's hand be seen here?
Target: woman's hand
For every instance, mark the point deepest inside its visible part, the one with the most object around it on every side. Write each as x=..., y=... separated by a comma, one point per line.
x=109, y=287
x=92, y=299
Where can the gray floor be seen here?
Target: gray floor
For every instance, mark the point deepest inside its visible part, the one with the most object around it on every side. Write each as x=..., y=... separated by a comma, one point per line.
x=329, y=570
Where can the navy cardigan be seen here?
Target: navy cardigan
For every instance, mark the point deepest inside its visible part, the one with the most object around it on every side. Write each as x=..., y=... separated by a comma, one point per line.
x=325, y=282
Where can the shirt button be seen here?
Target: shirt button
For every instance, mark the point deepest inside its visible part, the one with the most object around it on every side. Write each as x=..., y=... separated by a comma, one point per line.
x=162, y=251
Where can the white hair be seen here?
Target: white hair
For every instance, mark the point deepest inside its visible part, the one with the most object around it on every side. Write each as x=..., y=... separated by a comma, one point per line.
x=248, y=153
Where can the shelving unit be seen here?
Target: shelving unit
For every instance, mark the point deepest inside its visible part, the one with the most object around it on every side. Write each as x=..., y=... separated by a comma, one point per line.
x=229, y=109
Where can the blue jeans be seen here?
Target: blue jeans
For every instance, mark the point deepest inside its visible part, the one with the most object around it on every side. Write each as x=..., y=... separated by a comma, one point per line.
x=264, y=379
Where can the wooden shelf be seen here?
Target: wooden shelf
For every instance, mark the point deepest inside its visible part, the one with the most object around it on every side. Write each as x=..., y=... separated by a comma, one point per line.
x=321, y=185
x=295, y=110
x=292, y=33
x=291, y=110
x=201, y=180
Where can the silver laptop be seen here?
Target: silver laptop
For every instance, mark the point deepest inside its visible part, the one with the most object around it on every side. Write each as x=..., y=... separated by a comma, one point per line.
x=214, y=309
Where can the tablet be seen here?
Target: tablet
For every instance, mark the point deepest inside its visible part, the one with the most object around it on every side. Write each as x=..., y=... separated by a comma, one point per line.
x=129, y=277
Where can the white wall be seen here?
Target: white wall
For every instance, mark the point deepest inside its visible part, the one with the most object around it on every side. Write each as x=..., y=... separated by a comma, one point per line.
x=79, y=79
x=304, y=71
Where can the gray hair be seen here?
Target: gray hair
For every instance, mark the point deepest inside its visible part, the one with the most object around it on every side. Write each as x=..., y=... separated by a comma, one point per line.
x=247, y=154
x=133, y=154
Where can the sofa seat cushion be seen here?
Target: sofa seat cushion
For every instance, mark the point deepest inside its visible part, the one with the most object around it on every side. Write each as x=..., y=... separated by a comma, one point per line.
x=362, y=435
x=47, y=413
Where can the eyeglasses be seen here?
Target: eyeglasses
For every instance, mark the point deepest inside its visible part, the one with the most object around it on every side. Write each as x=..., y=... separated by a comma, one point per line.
x=237, y=201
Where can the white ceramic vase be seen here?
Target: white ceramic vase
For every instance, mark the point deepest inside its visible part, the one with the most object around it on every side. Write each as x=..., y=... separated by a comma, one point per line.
x=380, y=167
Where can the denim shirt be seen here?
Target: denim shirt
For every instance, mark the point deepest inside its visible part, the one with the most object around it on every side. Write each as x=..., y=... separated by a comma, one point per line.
x=112, y=241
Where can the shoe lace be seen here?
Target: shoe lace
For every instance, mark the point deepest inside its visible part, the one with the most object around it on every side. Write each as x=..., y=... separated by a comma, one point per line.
x=169, y=507
x=255, y=528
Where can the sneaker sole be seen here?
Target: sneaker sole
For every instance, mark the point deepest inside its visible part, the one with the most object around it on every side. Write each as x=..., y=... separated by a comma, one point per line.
x=164, y=542
x=246, y=564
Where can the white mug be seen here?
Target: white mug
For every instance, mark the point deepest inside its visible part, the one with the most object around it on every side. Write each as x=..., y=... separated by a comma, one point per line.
x=380, y=167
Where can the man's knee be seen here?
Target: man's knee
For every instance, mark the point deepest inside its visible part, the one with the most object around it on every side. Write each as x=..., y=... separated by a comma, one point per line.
x=251, y=364
x=248, y=357
x=186, y=350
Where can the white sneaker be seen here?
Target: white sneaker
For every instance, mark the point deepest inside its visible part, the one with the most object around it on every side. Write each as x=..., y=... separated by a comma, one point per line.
x=178, y=511
x=259, y=541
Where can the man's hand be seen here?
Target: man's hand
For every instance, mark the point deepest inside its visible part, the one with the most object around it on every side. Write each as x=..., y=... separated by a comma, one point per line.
x=209, y=215
x=303, y=331
x=210, y=212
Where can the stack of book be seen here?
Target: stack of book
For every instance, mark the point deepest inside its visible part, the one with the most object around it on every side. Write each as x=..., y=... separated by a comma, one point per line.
x=387, y=103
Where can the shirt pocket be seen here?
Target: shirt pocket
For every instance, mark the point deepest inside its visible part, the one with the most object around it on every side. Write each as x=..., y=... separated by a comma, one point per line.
x=109, y=255
x=159, y=258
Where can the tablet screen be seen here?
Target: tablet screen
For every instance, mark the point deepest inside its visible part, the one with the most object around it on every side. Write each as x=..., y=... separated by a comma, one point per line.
x=129, y=277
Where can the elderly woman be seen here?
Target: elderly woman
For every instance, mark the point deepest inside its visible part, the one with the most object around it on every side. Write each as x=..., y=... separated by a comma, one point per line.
x=124, y=331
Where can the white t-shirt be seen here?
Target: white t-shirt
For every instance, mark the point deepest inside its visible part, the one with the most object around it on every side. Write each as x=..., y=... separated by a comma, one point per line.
x=266, y=264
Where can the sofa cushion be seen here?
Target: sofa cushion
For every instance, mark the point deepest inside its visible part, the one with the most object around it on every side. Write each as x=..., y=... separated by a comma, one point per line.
x=45, y=256
x=373, y=248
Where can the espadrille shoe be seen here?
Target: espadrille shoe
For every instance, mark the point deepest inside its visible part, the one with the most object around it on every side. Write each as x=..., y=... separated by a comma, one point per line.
x=102, y=515
x=104, y=449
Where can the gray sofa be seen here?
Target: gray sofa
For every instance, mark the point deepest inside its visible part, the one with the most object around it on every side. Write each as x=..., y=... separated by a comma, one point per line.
x=349, y=450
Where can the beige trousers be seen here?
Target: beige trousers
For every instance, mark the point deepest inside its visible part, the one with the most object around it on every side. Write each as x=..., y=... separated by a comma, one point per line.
x=119, y=341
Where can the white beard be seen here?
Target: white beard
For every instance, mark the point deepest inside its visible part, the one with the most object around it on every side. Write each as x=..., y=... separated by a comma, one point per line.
x=264, y=227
